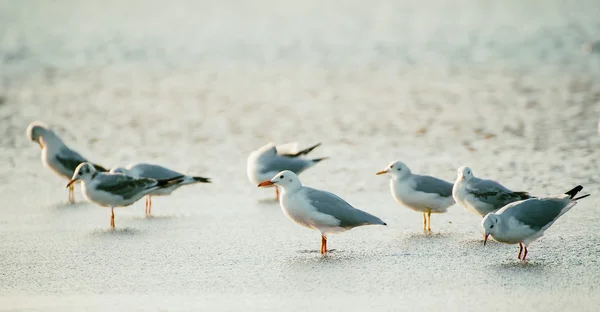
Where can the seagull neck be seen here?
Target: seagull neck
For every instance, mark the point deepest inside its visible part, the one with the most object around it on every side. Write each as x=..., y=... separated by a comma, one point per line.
x=51, y=140
x=292, y=188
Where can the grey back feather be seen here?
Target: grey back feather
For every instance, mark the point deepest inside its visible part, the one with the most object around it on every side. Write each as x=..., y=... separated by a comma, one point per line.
x=493, y=193
x=280, y=163
x=152, y=171
x=536, y=213
x=428, y=184
x=333, y=205
x=125, y=186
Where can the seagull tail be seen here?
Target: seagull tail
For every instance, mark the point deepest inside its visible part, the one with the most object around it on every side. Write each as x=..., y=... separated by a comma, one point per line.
x=523, y=195
x=574, y=191
x=168, y=182
x=201, y=179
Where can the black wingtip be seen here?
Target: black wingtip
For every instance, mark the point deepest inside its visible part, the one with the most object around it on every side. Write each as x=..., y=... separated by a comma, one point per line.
x=304, y=151
x=170, y=181
x=384, y=223
x=202, y=179
x=581, y=197
x=316, y=160
x=574, y=191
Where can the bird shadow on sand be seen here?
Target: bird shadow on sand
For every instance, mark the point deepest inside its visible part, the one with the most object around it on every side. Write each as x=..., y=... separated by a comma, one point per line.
x=309, y=251
x=425, y=236
x=268, y=201
x=518, y=266
x=156, y=218
x=116, y=232
x=66, y=206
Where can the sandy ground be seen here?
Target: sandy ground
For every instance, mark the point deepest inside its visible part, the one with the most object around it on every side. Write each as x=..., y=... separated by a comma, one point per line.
x=502, y=87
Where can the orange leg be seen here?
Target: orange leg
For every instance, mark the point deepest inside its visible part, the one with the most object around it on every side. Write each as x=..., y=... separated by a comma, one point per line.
x=112, y=217
x=323, y=244
x=525, y=254
x=520, y=250
x=276, y=193
x=149, y=204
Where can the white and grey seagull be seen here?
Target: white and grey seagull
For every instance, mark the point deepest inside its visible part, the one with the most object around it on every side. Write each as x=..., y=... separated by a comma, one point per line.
x=157, y=172
x=525, y=221
x=482, y=196
x=420, y=193
x=115, y=189
x=316, y=209
x=56, y=155
x=268, y=160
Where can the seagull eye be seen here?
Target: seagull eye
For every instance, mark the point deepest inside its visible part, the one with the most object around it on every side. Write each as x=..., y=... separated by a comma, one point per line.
x=281, y=176
x=491, y=226
x=399, y=169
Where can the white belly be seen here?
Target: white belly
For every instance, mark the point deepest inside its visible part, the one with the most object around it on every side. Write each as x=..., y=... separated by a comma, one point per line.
x=418, y=201
x=296, y=207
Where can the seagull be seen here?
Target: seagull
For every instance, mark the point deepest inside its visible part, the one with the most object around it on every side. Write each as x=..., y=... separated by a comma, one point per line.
x=115, y=189
x=268, y=160
x=158, y=172
x=525, y=221
x=56, y=155
x=420, y=193
x=316, y=209
x=482, y=196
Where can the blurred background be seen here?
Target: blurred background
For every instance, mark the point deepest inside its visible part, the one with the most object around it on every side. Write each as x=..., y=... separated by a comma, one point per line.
x=510, y=88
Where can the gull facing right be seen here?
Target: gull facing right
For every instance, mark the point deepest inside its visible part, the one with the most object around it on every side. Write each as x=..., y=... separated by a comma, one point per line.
x=316, y=209
x=525, y=221
x=268, y=160
x=420, y=193
x=56, y=155
x=115, y=189
x=158, y=173
x=482, y=196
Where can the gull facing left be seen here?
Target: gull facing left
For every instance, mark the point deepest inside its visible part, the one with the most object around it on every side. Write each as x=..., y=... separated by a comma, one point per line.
x=115, y=189
x=525, y=221
x=56, y=155
x=420, y=193
x=316, y=209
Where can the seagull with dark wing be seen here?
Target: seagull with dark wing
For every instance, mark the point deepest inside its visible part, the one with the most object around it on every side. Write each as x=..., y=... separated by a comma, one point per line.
x=56, y=155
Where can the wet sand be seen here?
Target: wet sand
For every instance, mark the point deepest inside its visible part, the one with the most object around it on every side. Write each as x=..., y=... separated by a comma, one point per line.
x=501, y=87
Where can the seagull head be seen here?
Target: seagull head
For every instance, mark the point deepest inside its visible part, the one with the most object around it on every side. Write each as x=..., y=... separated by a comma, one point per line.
x=464, y=173
x=396, y=169
x=36, y=131
x=85, y=172
x=286, y=179
x=490, y=225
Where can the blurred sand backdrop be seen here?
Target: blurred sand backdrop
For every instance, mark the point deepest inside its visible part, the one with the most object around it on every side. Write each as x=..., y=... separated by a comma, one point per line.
x=503, y=87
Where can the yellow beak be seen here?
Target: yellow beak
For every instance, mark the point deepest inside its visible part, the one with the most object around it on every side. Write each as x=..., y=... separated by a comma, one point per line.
x=381, y=172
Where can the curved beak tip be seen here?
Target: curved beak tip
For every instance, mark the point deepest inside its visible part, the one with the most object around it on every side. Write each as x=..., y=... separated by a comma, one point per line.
x=70, y=183
x=265, y=183
x=485, y=238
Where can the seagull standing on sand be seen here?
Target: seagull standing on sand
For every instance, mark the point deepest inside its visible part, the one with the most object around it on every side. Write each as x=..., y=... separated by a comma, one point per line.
x=525, y=221
x=56, y=155
x=115, y=189
x=482, y=196
x=420, y=193
x=158, y=173
x=268, y=160
x=316, y=209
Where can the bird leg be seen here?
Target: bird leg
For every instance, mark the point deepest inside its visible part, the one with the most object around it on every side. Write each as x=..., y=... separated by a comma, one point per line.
x=72, y=193
x=424, y=222
x=429, y=221
x=520, y=250
x=323, y=244
x=276, y=193
x=146, y=211
x=112, y=217
x=149, y=205
x=525, y=254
